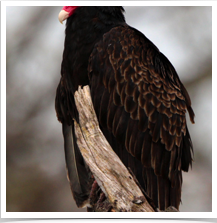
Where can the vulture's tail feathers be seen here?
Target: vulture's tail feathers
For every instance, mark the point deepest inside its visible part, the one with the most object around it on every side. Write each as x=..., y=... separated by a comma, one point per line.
x=78, y=173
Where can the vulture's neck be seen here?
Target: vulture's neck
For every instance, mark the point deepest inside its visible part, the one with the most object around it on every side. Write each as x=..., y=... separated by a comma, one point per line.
x=87, y=24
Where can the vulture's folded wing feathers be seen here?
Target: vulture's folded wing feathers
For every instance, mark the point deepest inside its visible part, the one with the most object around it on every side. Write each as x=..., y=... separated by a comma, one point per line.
x=139, y=98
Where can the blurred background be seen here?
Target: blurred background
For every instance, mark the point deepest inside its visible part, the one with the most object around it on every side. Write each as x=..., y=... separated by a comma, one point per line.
x=36, y=175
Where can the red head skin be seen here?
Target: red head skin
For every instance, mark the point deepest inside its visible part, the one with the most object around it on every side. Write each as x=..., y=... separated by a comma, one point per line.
x=66, y=12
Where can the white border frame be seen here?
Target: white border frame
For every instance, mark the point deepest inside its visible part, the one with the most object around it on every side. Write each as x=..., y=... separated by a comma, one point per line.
x=58, y=215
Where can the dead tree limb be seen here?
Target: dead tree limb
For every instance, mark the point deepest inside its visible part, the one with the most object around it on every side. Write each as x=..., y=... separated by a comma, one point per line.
x=111, y=175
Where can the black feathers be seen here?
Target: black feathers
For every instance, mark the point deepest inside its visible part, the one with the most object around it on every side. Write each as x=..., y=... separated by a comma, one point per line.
x=138, y=97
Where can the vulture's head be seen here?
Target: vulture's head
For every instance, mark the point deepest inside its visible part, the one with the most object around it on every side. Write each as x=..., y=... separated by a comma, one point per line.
x=66, y=12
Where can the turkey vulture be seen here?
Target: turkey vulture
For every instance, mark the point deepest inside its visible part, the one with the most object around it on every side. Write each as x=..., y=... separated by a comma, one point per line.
x=138, y=98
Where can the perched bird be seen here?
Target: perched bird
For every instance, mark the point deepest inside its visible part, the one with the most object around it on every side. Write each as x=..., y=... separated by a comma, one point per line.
x=138, y=98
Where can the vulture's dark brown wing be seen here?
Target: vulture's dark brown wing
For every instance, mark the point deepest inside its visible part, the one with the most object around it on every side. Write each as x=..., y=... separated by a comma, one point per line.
x=139, y=98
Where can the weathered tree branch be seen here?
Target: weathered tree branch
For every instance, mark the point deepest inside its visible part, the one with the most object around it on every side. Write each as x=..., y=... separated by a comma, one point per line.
x=112, y=176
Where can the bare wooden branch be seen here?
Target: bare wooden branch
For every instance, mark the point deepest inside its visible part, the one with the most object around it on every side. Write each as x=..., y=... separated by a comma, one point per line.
x=111, y=175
